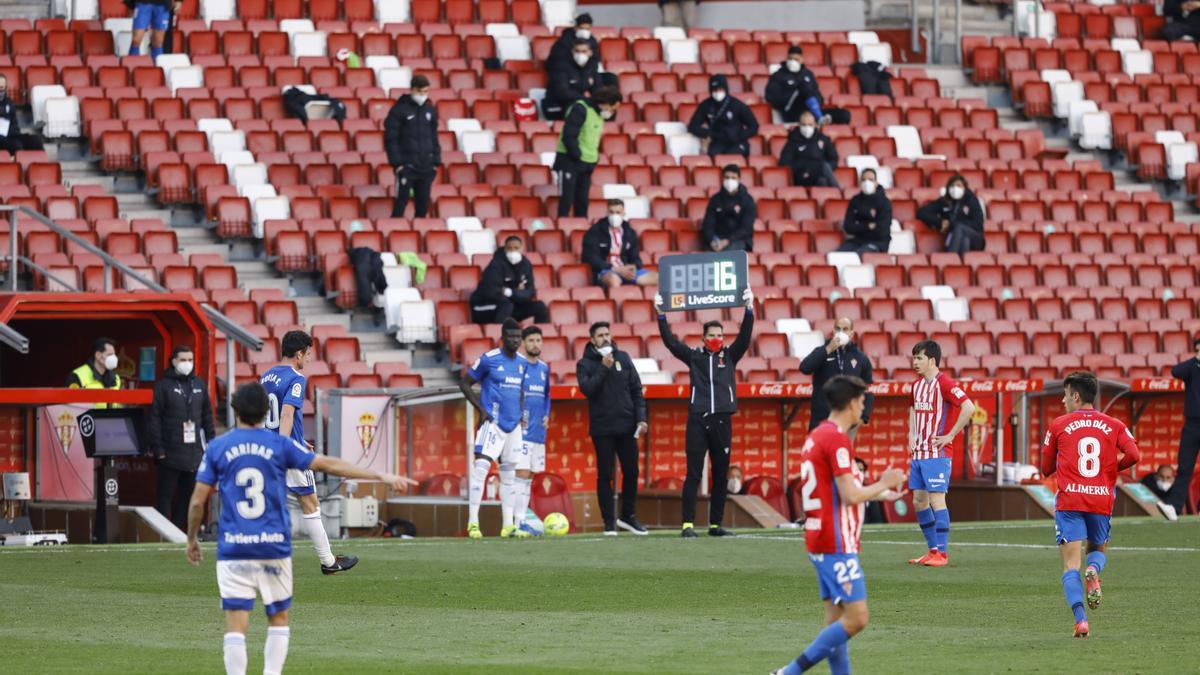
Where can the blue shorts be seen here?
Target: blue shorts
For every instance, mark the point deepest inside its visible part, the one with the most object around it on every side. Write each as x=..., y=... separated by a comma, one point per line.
x=1077, y=526
x=839, y=577
x=624, y=282
x=931, y=475
x=154, y=17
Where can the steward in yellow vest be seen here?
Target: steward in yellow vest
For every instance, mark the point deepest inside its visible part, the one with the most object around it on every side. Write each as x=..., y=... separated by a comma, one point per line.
x=100, y=372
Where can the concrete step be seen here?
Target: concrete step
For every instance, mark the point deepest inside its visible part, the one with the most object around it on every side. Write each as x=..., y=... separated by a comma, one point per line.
x=325, y=319
x=389, y=356
x=25, y=10
x=219, y=249
x=254, y=283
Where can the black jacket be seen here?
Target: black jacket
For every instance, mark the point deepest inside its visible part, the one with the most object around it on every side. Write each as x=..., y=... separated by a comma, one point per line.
x=730, y=216
x=965, y=212
x=615, y=401
x=410, y=137
x=789, y=92
x=178, y=399
x=1189, y=373
x=560, y=51
x=805, y=156
x=1150, y=480
x=822, y=366
x=295, y=100
x=1173, y=9
x=873, y=78
x=727, y=125
x=597, y=245
x=368, y=274
x=865, y=210
x=501, y=274
x=568, y=83
x=713, y=376
x=572, y=125
x=8, y=111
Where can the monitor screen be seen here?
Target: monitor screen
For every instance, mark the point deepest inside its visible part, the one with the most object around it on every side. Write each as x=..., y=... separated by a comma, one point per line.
x=116, y=437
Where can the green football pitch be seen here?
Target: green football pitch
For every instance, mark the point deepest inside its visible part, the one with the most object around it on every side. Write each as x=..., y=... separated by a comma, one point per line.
x=590, y=604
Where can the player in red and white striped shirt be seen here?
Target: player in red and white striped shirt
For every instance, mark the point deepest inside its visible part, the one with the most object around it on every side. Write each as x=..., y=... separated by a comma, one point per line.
x=937, y=400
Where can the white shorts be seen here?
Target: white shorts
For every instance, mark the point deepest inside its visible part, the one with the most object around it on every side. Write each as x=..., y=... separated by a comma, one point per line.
x=500, y=446
x=536, y=452
x=240, y=580
x=301, y=481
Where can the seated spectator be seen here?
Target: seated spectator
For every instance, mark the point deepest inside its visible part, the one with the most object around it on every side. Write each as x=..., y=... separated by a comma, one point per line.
x=868, y=223
x=810, y=154
x=958, y=215
x=793, y=88
x=571, y=81
x=611, y=247
x=726, y=122
x=737, y=485
x=729, y=220
x=560, y=52
x=1160, y=481
x=1183, y=20
x=506, y=289
x=11, y=138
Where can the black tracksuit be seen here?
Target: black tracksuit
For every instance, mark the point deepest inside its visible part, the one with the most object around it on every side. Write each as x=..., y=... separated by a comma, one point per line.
x=822, y=366
x=411, y=140
x=568, y=82
x=868, y=223
x=727, y=125
x=710, y=413
x=811, y=160
x=730, y=216
x=965, y=218
x=1189, y=436
x=597, y=247
x=178, y=400
x=788, y=92
x=615, y=408
x=15, y=141
x=489, y=304
x=1179, y=26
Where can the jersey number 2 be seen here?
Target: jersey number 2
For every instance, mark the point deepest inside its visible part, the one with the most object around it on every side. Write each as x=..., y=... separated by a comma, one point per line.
x=1089, y=457
x=810, y=486
x=272, y=411
x=254, y=504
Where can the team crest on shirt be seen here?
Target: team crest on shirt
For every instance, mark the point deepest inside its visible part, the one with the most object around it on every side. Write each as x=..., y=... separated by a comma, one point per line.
x=297, y=390
x=428, y=116
x=848, y=587
x=853, y=363
x=737, y=208
x=729, y=114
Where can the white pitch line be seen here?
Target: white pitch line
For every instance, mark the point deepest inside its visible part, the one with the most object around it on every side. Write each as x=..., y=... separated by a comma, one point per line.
x=1134, y=549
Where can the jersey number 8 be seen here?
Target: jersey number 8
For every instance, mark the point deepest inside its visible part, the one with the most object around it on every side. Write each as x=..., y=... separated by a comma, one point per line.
x=1089, y=457
x=272, y=411
x=254, y=504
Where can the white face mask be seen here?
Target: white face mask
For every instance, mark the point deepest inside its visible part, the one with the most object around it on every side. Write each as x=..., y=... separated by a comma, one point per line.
x=184, y=367
x=514, y=257
x=842, y=338
x=794, y=66
x=110, y=362
x=581, y=58
x=605, y=350
x=615, y=220
x=718, y=96
x=957, y=192
x=731, y=184
x=1164, y=485
x=868, y=187
x=582, y=34
x=735, y=485
x=420, y=99
x=807, y=131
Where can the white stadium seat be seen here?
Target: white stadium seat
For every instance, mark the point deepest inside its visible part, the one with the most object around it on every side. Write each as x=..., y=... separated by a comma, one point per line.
x=665, y=34
x=391, y=11
x=555, y=12
x=1095, y=131
x=234, y=158
x=463, y=224
x=951, y=310
x=1075, y=114
x=499, y=30
x=62, y=118
x=903, y=242
x=38, y=97
x=474, y=142
x=293, y=26
x=855, y=277
x=418, y=322
x=458, y=125
x=474, y=242
x=189, y=77
x=245, y=175
x=789, y=326
x=513, y=48
x=268, y=207
x=682, y=51
x=1168, y=136
x=645, y=365
x=636, y=207
x=618, y=191
x=939, y=292
x=1125, y=45
x=880, y=53
x=1138, y=62
x=378, y=62
x=862, y=37
x=1179, y=155
x=840, y=259
x=802, y=344
x=394, y=78
x=212, y=125
x=668, y=129
x=908, y=141
x=81, y=10
x=683, y=146
x=308, y=44
x=218, y=10
x=226, y=141
x=1063, y=94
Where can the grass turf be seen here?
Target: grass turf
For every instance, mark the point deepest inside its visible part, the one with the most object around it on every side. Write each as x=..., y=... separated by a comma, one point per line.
x=589, y=604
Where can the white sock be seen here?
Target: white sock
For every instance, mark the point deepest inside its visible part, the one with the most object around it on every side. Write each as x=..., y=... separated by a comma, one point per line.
x=235, y=654
x=315, y=529
x=508, y=495
x=478, y=479
x=275, y=651
x=524, y=489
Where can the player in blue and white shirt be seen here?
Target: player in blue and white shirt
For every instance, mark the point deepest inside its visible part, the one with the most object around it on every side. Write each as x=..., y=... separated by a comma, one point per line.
x=500, y=374
x=535, y=418
x=285, y=392
x=254, y=546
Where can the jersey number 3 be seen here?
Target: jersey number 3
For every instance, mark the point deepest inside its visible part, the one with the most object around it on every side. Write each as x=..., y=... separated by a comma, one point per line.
x=1089, y=457
x=254, y=504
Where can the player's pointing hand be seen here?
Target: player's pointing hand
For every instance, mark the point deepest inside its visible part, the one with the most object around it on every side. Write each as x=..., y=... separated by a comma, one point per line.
x=399, y=482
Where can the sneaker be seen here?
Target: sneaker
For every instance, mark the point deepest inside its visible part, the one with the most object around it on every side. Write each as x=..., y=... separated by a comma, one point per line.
x=528, y=530
x=936, y=559
x=1092, y=579
x=473, y=531
x=1081, y=629
x=1168, y=511
x=341, y=563
x=632, y=524
x=689, y=533
x=718, y=531
x=507, y=530
x=610, y=531
x=921, y=560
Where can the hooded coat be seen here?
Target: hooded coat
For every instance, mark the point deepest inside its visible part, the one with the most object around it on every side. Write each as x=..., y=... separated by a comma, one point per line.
x=727, y=125
x=616, y=404
x=501, y=274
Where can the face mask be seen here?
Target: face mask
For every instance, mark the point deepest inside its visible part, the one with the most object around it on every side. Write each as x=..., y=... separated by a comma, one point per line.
x=731, y=184
x=794, y=65
x=184, y=368
x=514, y=257
x=605, y=350
x=606, y=114
x=956, y=192
x=614, y=220
x=110, y=362
x=807, y=131
x=420, y=99
x=868, y=187
x=714, y=344
x=581, y=58
x=1164, y=485
x=735, y=485
x=582, y=33
x=718, y=96
x=842, y=338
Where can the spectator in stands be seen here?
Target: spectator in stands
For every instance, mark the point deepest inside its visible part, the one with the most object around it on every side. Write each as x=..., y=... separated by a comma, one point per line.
x=579, y=148
x=11, y=138
x=178, y=425
x=616, y=419
x=726, y=122
x=679, y=13
x=958, y=215
x=793, y=88
x=737, y=485
x=729, y=219
x=839, y=356
x=410, y=136
x=560, y=51
x=100, y=372
x=1160, y=481
x=570, y=80
x=873, y=513
x=868, y=223
x=1184, y=20
x=612, y=249
x=154, y=15
x=506, y=289
x=1189, y=436
x=810, y=154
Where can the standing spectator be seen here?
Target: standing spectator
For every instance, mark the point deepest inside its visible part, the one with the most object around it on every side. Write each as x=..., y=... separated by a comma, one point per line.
x=11, y=138
x=1184, y=20
x=570, y=80
x=868, y=223
x=679, y=13
x=839, y=356
x=579, y=148
x=179, y=425
x=958, y=215
x=1160, y=481
x=506, y=289
x=726, y=122
x=560, y=51
x=612, y=249
x=810, y=154
x=410, y=135
x=154, y=15
x=729, y=219
x=793, y=89
x=1189, y=436
x=616, y=419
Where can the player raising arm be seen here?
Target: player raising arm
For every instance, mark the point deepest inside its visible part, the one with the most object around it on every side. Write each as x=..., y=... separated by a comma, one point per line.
x=833, y=496
x=254, y=545
x=1082, y=448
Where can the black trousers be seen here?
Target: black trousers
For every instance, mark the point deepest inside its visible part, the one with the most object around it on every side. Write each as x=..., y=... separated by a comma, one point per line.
x=609, y=449
x=1177, y=30
x=175, y=488
x=855, y=245
x=506, y=308
x=574, y=187
x=420, y=187
x=16, y=142
x=961, y=239
x=707, y=435
x=1189, y=448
